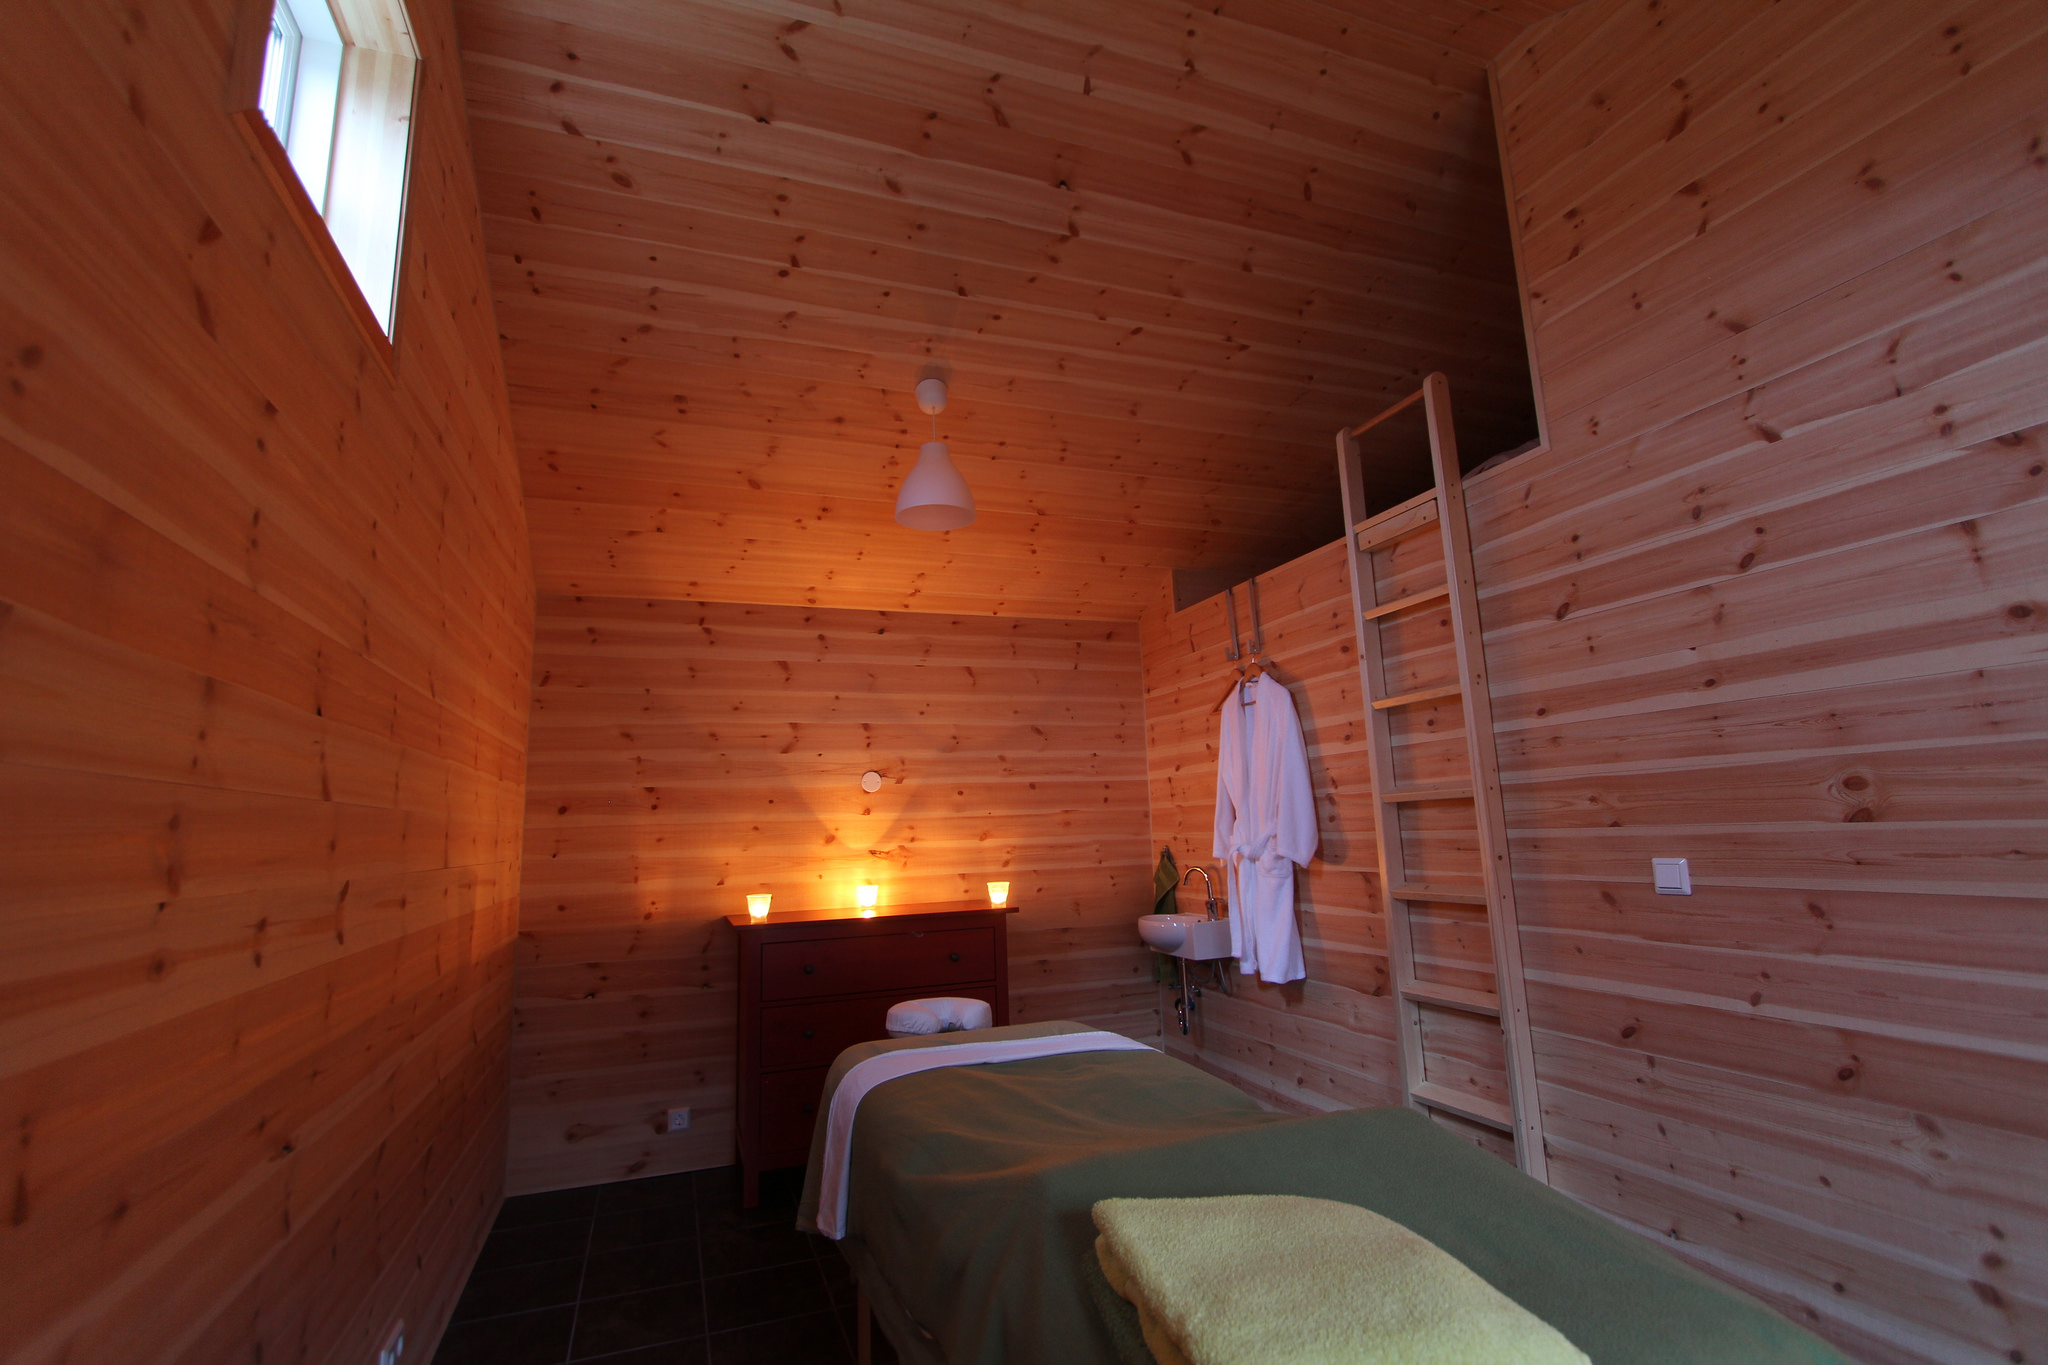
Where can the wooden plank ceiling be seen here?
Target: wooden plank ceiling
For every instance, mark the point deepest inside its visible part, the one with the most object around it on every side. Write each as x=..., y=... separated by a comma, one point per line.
x=1160, y=254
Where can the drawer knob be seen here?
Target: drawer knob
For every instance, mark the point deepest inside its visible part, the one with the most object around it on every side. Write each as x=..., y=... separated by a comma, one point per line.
x=809, y=970
x=810, y=1109
x=810, y=1033
x=952, y=957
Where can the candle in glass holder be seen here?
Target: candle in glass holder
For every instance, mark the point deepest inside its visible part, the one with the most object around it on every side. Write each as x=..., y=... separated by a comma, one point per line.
x=757, y=904
x=865, y=896
x=998, y=895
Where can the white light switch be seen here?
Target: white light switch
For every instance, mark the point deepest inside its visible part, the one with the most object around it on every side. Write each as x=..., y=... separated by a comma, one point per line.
x=1672, y=875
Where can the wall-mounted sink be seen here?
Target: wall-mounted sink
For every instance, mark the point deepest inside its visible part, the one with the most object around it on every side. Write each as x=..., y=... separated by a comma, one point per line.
x=1189, y=936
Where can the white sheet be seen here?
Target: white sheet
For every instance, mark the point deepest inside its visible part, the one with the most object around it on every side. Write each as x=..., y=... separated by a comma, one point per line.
x=856, y=1083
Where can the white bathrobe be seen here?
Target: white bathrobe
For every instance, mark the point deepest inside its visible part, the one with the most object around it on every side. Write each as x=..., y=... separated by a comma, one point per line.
x=1265, y=824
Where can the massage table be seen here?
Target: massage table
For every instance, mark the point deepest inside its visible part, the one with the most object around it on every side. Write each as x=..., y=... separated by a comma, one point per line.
x=969, y=1188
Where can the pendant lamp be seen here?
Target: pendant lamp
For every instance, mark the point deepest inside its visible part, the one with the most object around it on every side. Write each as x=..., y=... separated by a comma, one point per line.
x=934, y=497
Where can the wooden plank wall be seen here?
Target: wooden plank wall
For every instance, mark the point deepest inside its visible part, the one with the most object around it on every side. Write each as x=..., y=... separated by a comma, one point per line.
x=687, y=753
x=265, y=618
x=1326, y=1043
x=1775, y=602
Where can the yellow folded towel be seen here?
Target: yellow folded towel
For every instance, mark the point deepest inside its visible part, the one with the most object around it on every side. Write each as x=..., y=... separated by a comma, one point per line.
x=1281, y=1280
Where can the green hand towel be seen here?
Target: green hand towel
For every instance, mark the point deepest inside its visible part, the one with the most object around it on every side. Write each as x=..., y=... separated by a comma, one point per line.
x=1165, y=881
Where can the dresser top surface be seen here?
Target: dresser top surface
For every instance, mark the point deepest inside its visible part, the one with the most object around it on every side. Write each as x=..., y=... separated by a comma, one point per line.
x=847, y=914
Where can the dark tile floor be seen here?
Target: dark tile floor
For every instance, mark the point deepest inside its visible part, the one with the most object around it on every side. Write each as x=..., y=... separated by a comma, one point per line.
x=664, y=1271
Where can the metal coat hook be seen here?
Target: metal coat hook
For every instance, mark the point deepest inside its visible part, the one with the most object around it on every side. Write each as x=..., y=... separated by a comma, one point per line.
x=1251, y=591
x=1255, y=669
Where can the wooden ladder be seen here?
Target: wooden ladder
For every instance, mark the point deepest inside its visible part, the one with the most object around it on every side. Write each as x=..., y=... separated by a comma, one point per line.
x=1462, y=1016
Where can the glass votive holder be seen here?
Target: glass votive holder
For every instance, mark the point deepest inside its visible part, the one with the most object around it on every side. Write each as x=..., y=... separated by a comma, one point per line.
x=757, y=904
x=998, y=895
x=865, y=896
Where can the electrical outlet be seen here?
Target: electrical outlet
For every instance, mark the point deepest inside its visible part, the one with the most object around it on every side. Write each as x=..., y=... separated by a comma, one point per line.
x=679, y=1119
x=393, y=1349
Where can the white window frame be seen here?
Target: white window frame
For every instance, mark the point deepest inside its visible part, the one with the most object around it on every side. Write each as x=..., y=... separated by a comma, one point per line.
x=326, y=89
x=280, y=70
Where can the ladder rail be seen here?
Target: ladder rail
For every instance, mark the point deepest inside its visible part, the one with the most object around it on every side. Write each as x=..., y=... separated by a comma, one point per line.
x=1484, y=756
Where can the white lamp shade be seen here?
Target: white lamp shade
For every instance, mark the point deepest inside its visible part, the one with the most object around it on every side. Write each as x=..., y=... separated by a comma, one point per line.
x=934, y=497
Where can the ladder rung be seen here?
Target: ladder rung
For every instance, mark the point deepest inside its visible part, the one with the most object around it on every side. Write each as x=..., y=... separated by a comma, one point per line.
x=1441, y=791
x=1387, y=514
x=1423, y=891
x=1475, y=1107
x=1413, y=599
x=1416, y=698
x=1396, y=523
x=1369, y=423
x=1453, y=997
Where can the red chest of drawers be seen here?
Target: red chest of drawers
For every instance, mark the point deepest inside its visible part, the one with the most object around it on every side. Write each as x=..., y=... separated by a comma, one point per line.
x=813, y=983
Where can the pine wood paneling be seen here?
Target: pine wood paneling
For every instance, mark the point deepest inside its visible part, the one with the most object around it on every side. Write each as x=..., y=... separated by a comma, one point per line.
x=686, y=753
x=1159, y=253
x=1328, y=1042
x=265, y=617
x=1773, y=601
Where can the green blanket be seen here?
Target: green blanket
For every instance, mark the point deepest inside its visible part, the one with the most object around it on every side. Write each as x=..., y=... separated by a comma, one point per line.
x=971, y=1189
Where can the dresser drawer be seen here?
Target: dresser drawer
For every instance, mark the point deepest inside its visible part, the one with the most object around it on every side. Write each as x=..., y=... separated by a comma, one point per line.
x=789, y=1108
x=814, y=1033
x=895, y=962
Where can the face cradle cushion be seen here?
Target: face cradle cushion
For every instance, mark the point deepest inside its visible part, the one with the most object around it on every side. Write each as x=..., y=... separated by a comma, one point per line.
x=938, y=1014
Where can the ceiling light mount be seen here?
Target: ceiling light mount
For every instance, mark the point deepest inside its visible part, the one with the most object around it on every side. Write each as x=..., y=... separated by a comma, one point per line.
x=934, y=497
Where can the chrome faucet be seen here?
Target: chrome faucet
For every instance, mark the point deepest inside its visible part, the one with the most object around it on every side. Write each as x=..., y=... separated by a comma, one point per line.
x=1190, y=992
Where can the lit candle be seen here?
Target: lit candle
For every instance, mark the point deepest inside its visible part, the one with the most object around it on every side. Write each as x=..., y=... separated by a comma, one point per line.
x=757, y=904
x=865, y=896
x=998, y=895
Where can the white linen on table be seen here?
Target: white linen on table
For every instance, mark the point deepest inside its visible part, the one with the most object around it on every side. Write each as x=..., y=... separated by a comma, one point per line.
x=865, y=1076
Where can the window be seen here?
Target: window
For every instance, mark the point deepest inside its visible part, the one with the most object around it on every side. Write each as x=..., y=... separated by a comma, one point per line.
x=280, y=69
x=301, y=82
x=336, y=91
